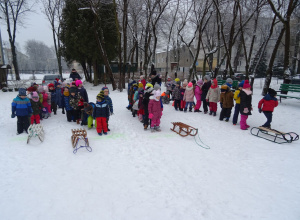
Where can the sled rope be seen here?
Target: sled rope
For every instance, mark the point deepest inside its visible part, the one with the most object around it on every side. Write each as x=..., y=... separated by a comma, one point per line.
x=200, y=143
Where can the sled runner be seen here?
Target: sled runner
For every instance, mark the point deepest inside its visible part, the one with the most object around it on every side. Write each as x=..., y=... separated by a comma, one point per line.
x=77, y=135
x=184, y=129
x=274, y=135
x=35, y=130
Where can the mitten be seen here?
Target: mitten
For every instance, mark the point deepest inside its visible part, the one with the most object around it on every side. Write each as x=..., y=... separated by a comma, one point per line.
x=259, y=110
x=150, y=115
x=13, y=115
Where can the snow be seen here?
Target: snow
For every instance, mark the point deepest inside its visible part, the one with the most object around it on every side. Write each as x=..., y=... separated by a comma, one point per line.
x=136, y=174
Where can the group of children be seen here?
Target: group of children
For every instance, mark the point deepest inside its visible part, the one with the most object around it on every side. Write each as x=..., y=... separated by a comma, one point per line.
x=145, y=101
x=38, y=102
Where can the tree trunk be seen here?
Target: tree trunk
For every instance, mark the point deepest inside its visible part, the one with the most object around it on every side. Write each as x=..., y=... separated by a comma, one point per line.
x=271, y=62
x=96, y=74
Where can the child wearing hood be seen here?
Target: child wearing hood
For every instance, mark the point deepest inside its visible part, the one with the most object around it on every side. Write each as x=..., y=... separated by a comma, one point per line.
x=146, y=99
x=82, y=90
x=141, y=111
x=21, y=107
x=213, y=97
x=75, y=100
x=101, y=112
x=155, y=111
x=66, y=103
x=237, y=103
x=189, y=97
x=205, y=87
x=267, y=105
x=226, y=101
x=198, y=93
x=182, y=91
x=36, y=106
x=46, y=99
x=177, y=96
x=245, y=105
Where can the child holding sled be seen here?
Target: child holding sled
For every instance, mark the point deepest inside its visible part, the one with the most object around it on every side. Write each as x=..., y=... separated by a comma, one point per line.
x=267, y=105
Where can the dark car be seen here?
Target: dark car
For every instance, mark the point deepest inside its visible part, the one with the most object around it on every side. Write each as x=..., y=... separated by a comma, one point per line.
x=50, y=78
x=239, y=76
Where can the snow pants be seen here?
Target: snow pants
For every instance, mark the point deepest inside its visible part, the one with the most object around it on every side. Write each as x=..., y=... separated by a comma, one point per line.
x=243, y=122
x=36, y=118
x=225, y=113
x=213, y=107
x=155, y=122
x=101, y=124
x=236, y=113
x=22, y=124
x=198, y=105
x=177, y=104
x=205, y=105
x=269, y=116
x=90, y=121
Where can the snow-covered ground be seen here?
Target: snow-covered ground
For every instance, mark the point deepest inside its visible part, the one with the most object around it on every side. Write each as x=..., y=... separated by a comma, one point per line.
x=135, y=174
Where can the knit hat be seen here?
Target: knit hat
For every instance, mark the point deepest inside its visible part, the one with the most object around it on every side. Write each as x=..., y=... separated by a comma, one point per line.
x=41, y=89
x=35, y=97
x=142, y=76
x=229, y=80
x=272, y=92
x=78, y=82
x=246, y=84
x=141, y=85
x=156, y=86
x=104, y=88
x=100, y=95
x=31, y=89
x=22, y=92
x=241, y=84
x=177, y=80
x=207, y=77
x=156, y=93
x=73, y=90
x=214, y=83
x=224, y=88
x=190, y=84
x=200, y=82
x=56, y=83
x=149, y=85
x=50, y=85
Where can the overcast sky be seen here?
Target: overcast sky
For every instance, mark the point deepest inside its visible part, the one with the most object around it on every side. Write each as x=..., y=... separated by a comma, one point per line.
x=36, y=27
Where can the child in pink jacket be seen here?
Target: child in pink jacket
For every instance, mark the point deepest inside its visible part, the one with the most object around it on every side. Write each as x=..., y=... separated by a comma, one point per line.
x=189, y=97
x=155, y=111
x=198, y=93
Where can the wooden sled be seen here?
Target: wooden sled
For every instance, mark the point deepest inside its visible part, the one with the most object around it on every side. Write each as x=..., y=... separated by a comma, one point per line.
x=35, y=130
x=184, y=129
x=274, y=135
x=77, y=135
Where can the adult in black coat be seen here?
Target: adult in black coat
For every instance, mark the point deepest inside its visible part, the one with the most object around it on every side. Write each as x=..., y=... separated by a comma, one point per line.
x=205, y=88
x=156, y=79
x=74, y=75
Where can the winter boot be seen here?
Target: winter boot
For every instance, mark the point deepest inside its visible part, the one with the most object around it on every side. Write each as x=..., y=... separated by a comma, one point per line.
x=190, y=109
x=227, y=119
x=63, y=111
x=77, y=121
x=157, y=128
x=100, y=134
x=185, y=109
x=152, y=129
x=145, y=127
x=210, y=113
x=180, y=109
x=196, y=110
x=214, y=113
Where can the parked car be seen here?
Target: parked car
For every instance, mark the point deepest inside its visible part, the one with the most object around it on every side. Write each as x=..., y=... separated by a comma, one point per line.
x=239, y=76
x=50, y=79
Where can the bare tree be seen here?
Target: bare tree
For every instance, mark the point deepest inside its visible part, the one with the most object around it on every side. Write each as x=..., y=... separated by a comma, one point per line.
x=13, y=12
x=53, y=11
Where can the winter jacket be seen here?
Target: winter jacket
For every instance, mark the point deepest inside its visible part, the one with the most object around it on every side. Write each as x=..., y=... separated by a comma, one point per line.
x=45, y=100
x=36, y=107
x=188, y=94
x=83, y=94
x=182, y=91
x=74, y=75
x=213, y=95
x=110, y=104
x=155, y=108
x=205, y=89
x=21, y=107
x=146, y=100
x=198, y=93
x=141, y=104
x=53, y=96
x=143, y=81
x=58, y=97
x=237, y=96
x=268, y=103
x=136, y=96
x=66, y=103
x=101, y=110
x=246, y=102
x=169, y=85
x=156, y=79
x=176, y=93
x=74, y=100
x=227, y=99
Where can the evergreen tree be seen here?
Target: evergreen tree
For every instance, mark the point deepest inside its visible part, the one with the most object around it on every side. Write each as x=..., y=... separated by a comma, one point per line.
x=261, y=67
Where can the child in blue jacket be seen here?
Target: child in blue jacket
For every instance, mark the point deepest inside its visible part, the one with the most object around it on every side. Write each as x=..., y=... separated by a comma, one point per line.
x=101, y=112
x=21, y=107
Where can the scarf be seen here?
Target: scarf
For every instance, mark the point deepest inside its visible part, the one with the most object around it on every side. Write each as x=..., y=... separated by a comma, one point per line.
x=248, y=92
x=66, y=93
